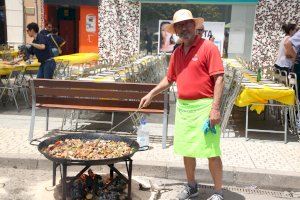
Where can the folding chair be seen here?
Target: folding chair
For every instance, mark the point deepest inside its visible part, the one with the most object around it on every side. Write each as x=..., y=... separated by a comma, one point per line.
x=229, y=100
x=61, y=70
x=276, y=75
x=13, y=85
x=294, y=111
x=283, y=77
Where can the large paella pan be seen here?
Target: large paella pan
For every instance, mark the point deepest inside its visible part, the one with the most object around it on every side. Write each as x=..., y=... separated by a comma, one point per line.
x=88, y=148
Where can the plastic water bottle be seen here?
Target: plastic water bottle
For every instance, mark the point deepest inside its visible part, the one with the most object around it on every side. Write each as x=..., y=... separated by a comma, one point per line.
x=143, y=135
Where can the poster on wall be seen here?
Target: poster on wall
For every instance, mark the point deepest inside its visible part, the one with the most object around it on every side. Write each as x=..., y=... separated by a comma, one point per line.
x=217, y=31
x=90, y=23
x=166, y=40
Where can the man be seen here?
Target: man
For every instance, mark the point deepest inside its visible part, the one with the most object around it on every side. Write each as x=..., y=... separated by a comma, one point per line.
x=197, y=68
x=56, y=42
x=292, y=47
x=200, y=31
x=148, y=41
x=40, y=48
x=48, y=29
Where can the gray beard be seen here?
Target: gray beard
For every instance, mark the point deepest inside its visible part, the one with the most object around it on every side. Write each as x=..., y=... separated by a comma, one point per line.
x=185, y=36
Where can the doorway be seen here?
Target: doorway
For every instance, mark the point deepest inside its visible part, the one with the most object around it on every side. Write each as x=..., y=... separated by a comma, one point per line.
x=3, y=33
x=66, y=20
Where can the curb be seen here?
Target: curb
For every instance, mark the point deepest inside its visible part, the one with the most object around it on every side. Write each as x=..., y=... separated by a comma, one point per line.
x=241, y=177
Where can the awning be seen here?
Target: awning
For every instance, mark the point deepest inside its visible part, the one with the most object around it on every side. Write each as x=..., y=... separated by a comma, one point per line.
x=72, y=2
x=202, y=1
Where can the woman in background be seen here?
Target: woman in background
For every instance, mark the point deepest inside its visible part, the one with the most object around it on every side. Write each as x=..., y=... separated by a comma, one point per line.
x=282, y=62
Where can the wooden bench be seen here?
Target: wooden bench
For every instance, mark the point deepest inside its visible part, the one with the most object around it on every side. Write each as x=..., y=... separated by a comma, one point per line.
x=85, y=95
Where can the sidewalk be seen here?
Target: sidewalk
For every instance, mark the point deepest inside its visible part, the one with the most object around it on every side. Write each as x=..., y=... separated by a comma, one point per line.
x=254, y=163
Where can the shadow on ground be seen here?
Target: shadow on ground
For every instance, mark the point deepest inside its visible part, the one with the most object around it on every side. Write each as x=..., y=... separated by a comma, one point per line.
x=236, y=126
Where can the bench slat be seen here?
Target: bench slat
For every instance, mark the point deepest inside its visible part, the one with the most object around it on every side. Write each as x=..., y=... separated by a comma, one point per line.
x=92, y=85
x=96, y=102
x=94, y=93
x=97, y=108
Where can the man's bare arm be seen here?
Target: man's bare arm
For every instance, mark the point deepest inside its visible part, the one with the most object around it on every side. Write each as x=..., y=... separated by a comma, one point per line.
x=289, y=50
x=163, y=85
x=215, y=115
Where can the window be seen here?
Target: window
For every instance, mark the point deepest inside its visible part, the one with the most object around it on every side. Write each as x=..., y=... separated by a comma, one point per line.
x=151, y=14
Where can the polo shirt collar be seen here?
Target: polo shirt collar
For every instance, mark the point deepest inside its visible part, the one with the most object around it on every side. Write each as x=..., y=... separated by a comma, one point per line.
x=195, y=43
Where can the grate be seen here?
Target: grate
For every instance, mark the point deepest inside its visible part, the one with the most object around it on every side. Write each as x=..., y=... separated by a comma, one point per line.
x=272, y=193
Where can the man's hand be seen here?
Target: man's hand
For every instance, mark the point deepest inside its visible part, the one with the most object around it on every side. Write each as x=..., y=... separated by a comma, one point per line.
x=214, y=117
x=146, y=100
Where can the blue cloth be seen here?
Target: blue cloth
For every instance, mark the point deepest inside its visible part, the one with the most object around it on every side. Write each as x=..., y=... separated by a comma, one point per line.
x=46, y=69
x=42, y=55
x=206, y=128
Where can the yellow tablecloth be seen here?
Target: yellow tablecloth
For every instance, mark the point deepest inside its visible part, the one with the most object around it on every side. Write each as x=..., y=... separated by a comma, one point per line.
x=78, y=58
x=5, y=69
x=249, y=96
x=12, y=53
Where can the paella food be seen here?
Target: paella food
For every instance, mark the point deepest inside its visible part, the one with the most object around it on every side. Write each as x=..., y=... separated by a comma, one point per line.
x=77, y=149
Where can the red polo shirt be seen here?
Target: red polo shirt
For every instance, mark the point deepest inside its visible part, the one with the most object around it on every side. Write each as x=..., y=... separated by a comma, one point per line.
x=194, y=71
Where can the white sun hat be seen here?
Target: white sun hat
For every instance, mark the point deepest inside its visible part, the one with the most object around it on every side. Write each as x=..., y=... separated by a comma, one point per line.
x=183, y=15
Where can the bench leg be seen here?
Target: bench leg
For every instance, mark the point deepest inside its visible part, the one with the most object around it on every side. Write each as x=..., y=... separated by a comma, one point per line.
x=77, y=117
x=165, y=130
x=112, y=119
x=47, y=119
x=32, y=123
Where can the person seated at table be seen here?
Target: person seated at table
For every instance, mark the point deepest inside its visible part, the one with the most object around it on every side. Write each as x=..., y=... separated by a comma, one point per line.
x=40, y=48
x=200, y=31
x=292, y=46
x=282, y=61
x=56, y=42
x=48, y=29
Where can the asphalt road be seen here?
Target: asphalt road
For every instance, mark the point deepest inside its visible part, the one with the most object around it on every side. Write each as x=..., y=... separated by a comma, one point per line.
x=20, y=184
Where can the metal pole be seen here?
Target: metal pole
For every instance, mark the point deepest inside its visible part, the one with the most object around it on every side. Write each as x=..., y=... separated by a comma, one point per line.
x=36, y=11
x=165, y=120
x=54, y=174
x=33, y=97
x=47, y=119
x=285, y=124
x=246, y=129
x=111, y=172
x=129, y=179
x=24, y=22
x=64, y=182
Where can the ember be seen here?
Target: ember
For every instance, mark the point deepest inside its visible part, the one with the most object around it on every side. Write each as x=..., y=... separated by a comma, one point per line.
x=94, y=186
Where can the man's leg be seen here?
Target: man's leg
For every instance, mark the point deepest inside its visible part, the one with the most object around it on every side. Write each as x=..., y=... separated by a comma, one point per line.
x=49, y=69
x=215, y=168
x=190, y=166
x=191, y=189
x=40, y=73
